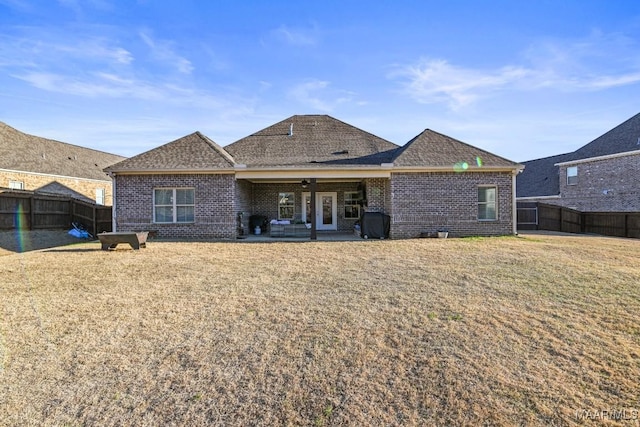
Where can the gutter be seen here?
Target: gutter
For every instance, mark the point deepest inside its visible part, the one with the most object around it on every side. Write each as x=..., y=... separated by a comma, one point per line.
x=594, y=159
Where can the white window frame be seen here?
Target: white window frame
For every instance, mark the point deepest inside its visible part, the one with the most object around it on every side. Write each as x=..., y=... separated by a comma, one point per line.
x=572, y=175
x=174, y=205
x=286, y=200
x=352, y=200
x=487, y=203
x=100, y=196
x=16, y=185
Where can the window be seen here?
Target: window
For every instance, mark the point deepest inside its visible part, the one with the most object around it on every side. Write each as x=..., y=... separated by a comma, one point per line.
x=487, y=204
x=352, y=204
x=286, y=206
x=99, y=196
x=572, y=175
x=173, y=205
x=16, y=185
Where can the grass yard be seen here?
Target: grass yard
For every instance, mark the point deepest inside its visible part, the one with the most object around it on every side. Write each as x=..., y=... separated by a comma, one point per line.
x=530, y=330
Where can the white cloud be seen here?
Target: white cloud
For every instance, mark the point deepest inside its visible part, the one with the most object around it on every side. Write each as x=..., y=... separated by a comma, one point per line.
x=435, y=81
x=558, y=65
x=296, y=37
x=316, y=94
x=163, y=51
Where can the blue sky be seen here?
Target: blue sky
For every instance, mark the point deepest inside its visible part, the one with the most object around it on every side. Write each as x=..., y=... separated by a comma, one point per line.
x=522, y=79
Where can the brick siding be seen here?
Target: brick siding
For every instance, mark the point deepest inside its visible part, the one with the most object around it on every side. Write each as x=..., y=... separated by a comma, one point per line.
x=426, y=202
x=74, y=187
x=417, y=202
x=215, y=206
x=378, y=195
x=607, y=185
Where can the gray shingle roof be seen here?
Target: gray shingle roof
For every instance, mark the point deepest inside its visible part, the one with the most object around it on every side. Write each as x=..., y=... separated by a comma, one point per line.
x=189, y=153
x=433, y=149
x=24, y=152
x=311, y=140
x=540, y=177
x=622, y=138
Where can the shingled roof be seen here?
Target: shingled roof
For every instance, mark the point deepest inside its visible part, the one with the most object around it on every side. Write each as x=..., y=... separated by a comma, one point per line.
x=540, y=177
x=194, y=152
x=23, y=152
x=622, y=138
x=311, y=141
x=433, y=149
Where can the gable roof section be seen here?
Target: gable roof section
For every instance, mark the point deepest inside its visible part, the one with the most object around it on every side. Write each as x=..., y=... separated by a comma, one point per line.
x=431, y=149
x=621, y=139
x=311, y=141
x=23, y=152
x=194, y=152
x=540, y=177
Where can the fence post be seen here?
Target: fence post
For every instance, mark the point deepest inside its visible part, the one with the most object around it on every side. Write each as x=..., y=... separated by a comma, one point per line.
x=94, y=221
x=626, y=225
x=32, y=213
x=561, y=222
x=72, y=208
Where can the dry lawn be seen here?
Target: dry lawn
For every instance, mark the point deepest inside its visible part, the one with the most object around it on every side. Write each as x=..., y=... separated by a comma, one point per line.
x=530, y=330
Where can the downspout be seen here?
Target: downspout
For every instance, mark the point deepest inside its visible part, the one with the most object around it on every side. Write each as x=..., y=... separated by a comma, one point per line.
x=113, y=202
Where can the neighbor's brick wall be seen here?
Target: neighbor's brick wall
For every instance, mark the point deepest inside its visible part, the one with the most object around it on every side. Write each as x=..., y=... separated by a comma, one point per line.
x=610, y=185
x=215, y=210
x=78, y=186
x=265, y=199
x=429, y=201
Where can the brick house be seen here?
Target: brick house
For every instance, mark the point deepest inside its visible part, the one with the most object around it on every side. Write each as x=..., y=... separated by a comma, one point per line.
x=318, y=170
x=43, y=165
x=598, y=177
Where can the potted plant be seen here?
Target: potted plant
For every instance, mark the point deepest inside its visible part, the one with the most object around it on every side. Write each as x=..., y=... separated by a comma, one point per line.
x=443, y=233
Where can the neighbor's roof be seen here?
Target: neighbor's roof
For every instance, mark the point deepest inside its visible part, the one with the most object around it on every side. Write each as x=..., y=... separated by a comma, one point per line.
x=541, y=176
x=622, y=138
x=311, y=141
x=22, y=152
x=189, y=153
x=433, y=149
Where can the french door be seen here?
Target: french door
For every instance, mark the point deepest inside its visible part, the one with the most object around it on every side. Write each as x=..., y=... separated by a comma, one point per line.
x=326, y=210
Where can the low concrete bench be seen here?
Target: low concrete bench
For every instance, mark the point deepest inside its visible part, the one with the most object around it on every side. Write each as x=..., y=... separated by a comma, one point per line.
x=137, y=240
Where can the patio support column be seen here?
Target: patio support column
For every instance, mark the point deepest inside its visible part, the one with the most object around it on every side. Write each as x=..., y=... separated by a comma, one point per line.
x=313, y=188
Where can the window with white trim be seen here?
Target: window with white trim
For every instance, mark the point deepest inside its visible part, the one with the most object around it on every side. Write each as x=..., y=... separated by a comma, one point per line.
x=352, y=201
x=572, y=175
x=487, y=205
x=173, y=205
x=16, y=185
x=99, y=196
x=286, y=206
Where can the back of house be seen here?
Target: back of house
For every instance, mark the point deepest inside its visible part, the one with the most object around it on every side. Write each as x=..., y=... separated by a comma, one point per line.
x=315, y=170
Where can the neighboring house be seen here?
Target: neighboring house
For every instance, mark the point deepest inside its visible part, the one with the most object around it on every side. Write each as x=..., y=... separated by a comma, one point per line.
x=602, y=176
x=43, y=165
x=194, y=188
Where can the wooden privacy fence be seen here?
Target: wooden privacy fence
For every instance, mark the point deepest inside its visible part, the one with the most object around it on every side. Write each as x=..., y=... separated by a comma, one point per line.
x=32, y=211
x=540, y=216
